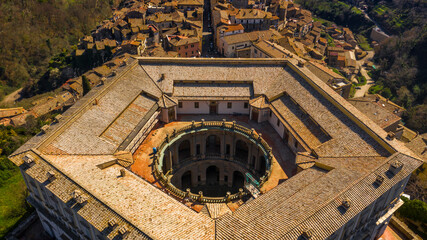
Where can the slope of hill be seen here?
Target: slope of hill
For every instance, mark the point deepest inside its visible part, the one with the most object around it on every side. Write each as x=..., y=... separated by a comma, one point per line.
x=33, y=31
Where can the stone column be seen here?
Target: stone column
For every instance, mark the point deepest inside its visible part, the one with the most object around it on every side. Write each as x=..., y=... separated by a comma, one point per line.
x=232, y=146
x=194, y=175
x=257, y=160
x=169, y=160
x=249, y=154
x=230, y=179
x=202, y=172
x=175, y=154
x=221, y=174
x=192, y=147
x=172, y=158
x=223, y=144
x=203, y=145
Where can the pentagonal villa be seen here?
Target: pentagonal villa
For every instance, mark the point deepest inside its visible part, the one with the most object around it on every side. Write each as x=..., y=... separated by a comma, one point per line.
x=214, y=149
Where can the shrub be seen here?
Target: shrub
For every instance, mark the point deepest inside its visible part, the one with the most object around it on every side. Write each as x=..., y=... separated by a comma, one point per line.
x=414, y=209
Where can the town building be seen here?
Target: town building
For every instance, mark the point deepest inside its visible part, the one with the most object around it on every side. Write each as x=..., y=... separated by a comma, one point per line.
x=173, y=148
x=184, y=46
x=382, y=111
x=10, y=112
x=239, y=45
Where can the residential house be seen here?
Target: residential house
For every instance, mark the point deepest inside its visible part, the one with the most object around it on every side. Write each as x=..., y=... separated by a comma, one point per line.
x=253, y=19
x=10, y=112
x=227, y=30
x=190, y=4
x=185, y=46
x=349, y=37
x=336, y=57
x=380, y=110
x=231, y=45
x=240, y=3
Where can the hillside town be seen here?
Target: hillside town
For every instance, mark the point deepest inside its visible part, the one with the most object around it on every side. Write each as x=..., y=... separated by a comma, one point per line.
x=241, y=30
x=237, y=29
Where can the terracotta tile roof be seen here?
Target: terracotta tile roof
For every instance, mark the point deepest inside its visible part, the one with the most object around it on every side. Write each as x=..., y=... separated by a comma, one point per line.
x=259, y=102
x=375, y=111
x=250, y=36
x=231, y=28
x=345, y=166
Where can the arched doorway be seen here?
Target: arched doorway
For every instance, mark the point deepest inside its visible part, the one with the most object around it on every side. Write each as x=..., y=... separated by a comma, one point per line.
x=255, y=113
x=262, y=164
x=212, y=175
x=186, y=180
x=238, y=179
x=213, y=145
x=184, y=150
x=242, y=150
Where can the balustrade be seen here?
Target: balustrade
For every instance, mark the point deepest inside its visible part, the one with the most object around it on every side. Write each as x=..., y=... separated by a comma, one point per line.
x=202, y=126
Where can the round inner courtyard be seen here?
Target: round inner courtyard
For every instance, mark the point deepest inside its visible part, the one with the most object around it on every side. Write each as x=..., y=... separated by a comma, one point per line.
x=213, y=159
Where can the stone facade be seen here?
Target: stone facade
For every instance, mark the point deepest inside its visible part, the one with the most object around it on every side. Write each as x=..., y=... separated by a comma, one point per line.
x=77, y=170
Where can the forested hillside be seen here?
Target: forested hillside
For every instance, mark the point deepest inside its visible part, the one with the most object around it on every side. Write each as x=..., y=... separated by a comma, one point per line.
x=402, y=59
x=339, y=12
x=402, y=74
x=33, y=31
x=398, y=16
x=35, y=38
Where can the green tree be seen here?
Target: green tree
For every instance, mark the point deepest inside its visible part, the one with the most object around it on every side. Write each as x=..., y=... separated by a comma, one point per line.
x=414, y=209
x=86, y=85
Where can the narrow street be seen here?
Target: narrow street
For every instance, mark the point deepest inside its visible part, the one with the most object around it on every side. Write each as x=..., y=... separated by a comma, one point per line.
x=208, y=47
x=369, y=82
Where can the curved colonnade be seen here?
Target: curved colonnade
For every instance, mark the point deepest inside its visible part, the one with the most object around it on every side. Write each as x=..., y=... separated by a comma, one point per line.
x=216, y=154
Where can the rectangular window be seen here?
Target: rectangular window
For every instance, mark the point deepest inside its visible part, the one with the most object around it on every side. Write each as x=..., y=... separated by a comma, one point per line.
x=255, y=51
x=196, y=104
x=192, y=45
x=245, y=105
x=198, y=149
x=271, y=113
x=278, y=122
x=296, y=143
x=229, y=105
x=225, y=178
x=227, y=149
x=179, y=104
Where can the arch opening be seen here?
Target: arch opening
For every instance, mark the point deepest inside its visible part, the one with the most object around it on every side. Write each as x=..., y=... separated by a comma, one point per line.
x=186, y=180
x=213, y=145
x=238, y=180
x=212, y=176
x=262, y=164
x=242, y=151
x=184, y=150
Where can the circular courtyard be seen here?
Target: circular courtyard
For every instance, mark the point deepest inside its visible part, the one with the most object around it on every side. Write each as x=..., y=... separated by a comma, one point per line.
x=212, y=161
